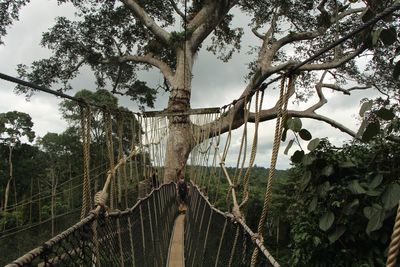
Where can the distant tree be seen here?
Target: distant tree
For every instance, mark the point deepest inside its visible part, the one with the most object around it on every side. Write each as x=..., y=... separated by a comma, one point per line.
x=14, y=125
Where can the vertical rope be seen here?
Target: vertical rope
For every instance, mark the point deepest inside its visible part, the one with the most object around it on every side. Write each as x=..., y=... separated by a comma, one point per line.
x=246, y=179
x=110, y=152
x=395, y=241
x=281, y=116
x=220, y=244
x=121, y=254
x=85, y=126
x=234, y=246
x=131, y=241
x=120, y=156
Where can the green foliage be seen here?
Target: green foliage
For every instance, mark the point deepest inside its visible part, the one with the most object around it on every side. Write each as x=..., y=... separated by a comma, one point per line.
x=344, y=210
x=14, y=125
x=9, y=11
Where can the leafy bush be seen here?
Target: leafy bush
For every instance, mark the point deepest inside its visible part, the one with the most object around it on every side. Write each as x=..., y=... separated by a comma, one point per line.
x=346, y=204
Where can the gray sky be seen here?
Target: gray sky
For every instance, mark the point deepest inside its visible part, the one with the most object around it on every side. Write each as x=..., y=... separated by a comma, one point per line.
x=215, y=84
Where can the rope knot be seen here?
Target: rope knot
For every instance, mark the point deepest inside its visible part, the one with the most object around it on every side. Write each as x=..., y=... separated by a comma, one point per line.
x=100, y=199
x=236, y=213
x=257, y=236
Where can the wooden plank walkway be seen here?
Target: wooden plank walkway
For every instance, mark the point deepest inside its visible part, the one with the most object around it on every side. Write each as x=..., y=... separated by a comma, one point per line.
x=176, y=252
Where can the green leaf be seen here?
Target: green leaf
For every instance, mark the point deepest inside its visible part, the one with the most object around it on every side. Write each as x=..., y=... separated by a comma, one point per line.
x=305, y=135
x=385, y=114
x=313, y=144
x=308, y=159
x=284, y=134
x=323, y=189
x=396, y=70
x=372, y=130
x=376, y=181
x=313, y=204
x=339, y=231
x=356, y=188
x=294, y=124
x=297, y=156
x=365, y=107
x=288, y=146
x=376, y=216
x=327, y=170
x=391, y=196
x=388, y=36
x=346, y=164
x=367, y=15
x=373, y=193
x=351, y=207
x=326, y=221
x=375, y=36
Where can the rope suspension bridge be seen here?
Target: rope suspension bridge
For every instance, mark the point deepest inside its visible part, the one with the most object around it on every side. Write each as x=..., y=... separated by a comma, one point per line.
x=141, y=235
x=116, y=230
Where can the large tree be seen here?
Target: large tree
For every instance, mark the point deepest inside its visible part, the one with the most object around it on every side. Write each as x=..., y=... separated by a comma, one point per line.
x=13, y=126
x=118, y=38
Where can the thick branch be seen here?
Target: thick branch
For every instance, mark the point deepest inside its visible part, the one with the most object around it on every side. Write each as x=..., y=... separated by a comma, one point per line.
x=207, y=19
x=149, y=59
x=142, y=15
x=335, y=63
x=271, y=114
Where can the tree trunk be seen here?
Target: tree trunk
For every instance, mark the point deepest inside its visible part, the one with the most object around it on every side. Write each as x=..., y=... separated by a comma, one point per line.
x=178, y=149
x=179, y=143
x=7, y=191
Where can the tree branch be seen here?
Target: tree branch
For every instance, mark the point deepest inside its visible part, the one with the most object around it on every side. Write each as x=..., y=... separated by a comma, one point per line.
x=205, y=21
x=343, y=90
x=142, y=15
x=256, y=33
x=177, y=10
x=149, y=59
x=335, y=63
x=349, y=12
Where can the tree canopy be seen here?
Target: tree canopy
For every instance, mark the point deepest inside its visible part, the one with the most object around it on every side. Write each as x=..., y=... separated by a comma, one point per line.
x=116, y=39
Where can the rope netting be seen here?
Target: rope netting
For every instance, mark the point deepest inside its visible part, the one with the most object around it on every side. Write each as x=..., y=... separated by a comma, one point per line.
x=135, y=237
x=213, y=238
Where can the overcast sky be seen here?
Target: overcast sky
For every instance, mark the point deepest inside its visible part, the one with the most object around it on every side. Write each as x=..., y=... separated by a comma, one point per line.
x=215, y=84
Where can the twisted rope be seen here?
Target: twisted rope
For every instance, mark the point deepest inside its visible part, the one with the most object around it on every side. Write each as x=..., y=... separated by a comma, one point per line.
x=246, y=179
x=85, y=125
x=110, y=153
x=280, y=119
x=395, y=241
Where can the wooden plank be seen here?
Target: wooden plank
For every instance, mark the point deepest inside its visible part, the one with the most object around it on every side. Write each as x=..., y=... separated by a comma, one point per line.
x=161, y=113
x=176, y=251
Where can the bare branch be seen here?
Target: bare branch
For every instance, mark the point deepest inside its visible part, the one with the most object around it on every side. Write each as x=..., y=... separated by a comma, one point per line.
x=142, y=15
x=349, y=12
x=269, y=115
x=343, y=90
x=335, y=63
x=177, y=10
x=256, y=33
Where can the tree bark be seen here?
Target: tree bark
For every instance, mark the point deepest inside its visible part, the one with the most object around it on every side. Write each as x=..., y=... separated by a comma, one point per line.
x=179, y=142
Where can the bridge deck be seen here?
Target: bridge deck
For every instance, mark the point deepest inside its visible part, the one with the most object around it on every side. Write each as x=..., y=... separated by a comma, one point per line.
x=176, y=255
